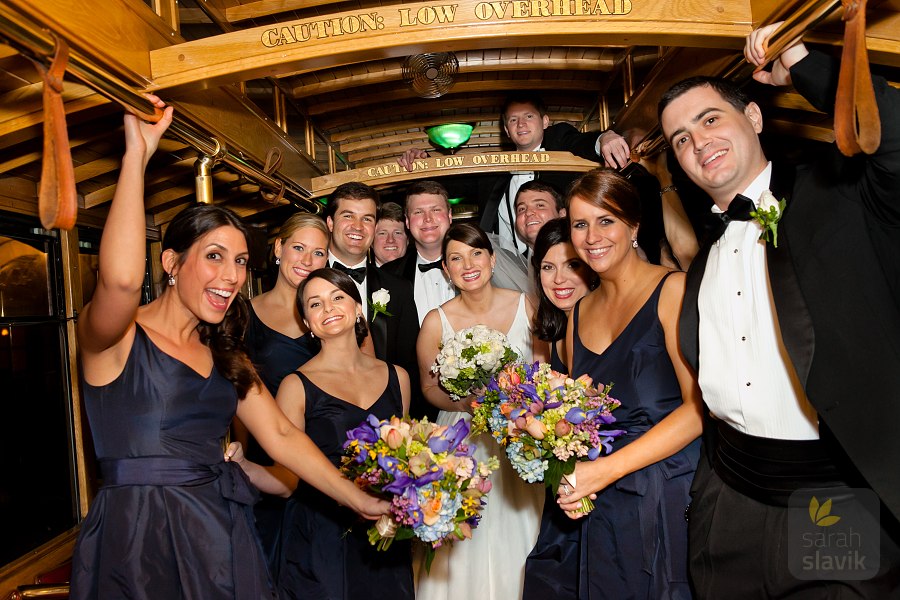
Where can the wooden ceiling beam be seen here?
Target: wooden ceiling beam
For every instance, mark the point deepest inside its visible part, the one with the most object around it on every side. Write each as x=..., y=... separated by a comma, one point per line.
x=417, y=123
x=461, y=87
x=394, y=73
x=24, y=107
x=443, y=105
x=264, y=8
x=379, y=32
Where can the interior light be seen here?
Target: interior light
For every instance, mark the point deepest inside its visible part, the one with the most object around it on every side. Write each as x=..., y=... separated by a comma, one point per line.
x=450, y=135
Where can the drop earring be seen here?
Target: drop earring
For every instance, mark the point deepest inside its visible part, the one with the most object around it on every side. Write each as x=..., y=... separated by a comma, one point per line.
x=358, y=318
x=277, y=261
x=634, y=243
x=171, y=280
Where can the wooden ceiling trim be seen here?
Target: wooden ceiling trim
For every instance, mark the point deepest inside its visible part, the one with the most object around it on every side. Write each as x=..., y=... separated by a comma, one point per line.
x=119, y=37
x=264, y=8
x=24, y=106
x=155, y=177
x=302, y=45
x=818, y=133
x=415, y=123
x=409, y=136
x=304, y=90
x=482, y=144
x=439, y=166
x=77, y=138
x=460, y=87
x=383, y=141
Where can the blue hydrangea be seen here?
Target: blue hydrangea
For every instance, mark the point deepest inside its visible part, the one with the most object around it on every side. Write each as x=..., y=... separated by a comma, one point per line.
x=446, y=519
x=530, y=470
x=497, y=424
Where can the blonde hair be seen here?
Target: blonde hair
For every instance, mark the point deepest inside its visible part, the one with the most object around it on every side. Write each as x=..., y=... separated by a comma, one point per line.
x=302, y=220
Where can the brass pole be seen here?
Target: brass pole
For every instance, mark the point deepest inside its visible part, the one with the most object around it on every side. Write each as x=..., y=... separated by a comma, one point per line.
x=38, y=43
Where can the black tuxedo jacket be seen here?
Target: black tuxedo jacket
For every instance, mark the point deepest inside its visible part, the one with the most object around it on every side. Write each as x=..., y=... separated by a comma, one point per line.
x=403, y=267
x=489, y=189
x=394, y=337
x=835, y=279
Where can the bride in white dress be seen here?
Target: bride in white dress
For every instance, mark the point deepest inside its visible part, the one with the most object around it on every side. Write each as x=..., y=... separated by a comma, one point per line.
x=491, y=565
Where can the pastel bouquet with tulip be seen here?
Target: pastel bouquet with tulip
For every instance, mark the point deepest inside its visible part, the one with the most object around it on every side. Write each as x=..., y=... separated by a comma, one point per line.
x=469, y=359
x=547, y=421
x=436, y=487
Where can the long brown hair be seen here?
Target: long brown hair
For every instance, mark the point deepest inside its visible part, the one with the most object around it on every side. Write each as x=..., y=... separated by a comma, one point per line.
x=226, y=338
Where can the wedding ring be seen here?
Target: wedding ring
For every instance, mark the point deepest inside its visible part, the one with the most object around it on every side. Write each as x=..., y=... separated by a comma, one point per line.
x=566, y=488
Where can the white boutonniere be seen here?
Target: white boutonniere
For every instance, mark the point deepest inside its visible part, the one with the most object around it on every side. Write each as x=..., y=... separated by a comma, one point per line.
x=379, y=303
x=768, y=212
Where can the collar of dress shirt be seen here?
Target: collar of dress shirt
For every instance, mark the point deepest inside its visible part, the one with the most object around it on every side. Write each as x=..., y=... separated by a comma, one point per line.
x=756, y=187
x=332, y=258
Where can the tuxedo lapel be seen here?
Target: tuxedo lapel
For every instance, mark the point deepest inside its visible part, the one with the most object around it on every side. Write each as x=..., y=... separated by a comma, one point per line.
x=790, y=306
x=377, y=327
x=689, y=321
x=409, y=268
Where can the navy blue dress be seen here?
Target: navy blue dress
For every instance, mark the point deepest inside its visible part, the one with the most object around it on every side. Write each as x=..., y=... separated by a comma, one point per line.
x=325, y=552
x=551, y=569
x=274, y=355
x=172, y=520
x=634, y=543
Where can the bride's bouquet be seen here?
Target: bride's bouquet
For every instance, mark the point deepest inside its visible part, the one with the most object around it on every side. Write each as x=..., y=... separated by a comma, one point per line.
x=470, y=358
x=437, y=488
x=547, y=421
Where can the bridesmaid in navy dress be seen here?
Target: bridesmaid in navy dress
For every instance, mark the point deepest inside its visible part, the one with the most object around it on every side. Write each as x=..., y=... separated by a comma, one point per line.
x=162, y=382
x=634, y=543
x=551, y=570
x=278, y=343
x=325, y=552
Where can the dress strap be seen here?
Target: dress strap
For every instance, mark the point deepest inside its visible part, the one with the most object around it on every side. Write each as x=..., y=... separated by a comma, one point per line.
x=446, y=327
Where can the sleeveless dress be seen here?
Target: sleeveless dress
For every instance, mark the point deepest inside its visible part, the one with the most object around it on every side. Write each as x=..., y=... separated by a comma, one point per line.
x=325, y=552
x=551, y=570
x=490, y=566
x=274, y=355
x=172, y=520
x=634, y=543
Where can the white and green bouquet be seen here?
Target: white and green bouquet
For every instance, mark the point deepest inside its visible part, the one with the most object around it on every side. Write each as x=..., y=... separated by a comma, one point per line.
x=467, y=361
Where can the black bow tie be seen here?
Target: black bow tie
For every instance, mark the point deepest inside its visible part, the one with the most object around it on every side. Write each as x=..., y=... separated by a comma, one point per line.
x=739, y=210
x=425, y=267
x=358, y=274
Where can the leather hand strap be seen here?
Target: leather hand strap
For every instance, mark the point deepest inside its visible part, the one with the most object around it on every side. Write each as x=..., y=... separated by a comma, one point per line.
x=274, y=159
x=857, y=126
x=57, y=199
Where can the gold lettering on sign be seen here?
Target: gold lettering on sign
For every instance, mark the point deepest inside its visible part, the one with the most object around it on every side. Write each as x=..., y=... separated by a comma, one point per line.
x=435, y=15
x=325, y=28
x=427, y=15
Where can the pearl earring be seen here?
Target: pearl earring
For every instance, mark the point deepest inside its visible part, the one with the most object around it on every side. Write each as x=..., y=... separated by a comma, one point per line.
x=171, y=280
x=358, y=318
x=277, y=261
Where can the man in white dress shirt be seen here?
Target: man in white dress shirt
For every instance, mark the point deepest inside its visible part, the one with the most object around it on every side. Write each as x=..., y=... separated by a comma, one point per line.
x=536, y=203
x=351, y=214
x=428, y=218
x=525, y=121
x=780, y=335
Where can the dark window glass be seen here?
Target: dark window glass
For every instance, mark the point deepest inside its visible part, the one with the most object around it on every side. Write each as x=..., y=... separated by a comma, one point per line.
x=37, y=496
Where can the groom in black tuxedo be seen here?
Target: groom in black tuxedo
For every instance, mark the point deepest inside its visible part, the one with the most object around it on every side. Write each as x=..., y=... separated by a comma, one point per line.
x=797, y=347
x=351, y=213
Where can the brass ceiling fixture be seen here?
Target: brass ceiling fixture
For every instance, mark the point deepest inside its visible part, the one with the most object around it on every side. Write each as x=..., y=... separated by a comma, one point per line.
x=430, y=75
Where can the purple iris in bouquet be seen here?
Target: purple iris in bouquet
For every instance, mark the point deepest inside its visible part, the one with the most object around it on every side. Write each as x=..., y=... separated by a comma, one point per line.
x=547, y=421
x=437, y=488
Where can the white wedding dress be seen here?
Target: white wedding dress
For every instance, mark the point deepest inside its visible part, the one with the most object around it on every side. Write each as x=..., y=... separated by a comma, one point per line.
x=491, y=565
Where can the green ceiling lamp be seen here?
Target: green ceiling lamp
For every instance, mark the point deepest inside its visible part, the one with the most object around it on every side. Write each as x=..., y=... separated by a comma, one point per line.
x=450, y=135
